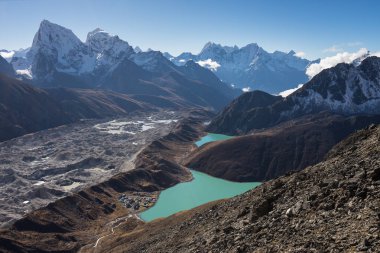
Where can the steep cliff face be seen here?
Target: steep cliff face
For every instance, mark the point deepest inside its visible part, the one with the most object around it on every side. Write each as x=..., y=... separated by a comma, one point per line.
x=331, y=206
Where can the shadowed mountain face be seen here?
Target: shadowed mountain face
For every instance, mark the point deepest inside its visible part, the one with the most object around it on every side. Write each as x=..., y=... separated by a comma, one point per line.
x=239, y=115
x=6, y=68
x=25, y=109
x=344, y=89
x=273, y=152
x=332, y=206
x=182, y=89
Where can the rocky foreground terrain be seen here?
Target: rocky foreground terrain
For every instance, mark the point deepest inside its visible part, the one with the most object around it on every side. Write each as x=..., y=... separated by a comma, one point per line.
x=333, y=206
x=41, y=167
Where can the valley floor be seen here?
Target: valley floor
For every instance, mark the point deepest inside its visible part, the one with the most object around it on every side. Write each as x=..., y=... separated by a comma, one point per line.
x=41, y=167
x=85, y=218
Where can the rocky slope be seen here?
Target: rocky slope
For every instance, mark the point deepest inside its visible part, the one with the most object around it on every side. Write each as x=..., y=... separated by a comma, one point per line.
x=273, y=152
x=332, y=206
x=81, y=218
x=250, y=66
x=25, y=109
x=344, y=89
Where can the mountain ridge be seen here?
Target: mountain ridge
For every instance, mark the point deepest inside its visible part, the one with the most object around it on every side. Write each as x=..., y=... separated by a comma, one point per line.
x=250, y=66
x=344, y=89
x=58, y=58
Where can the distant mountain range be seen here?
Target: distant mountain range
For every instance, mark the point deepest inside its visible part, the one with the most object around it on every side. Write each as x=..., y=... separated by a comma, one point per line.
x=58, y=58
x=250, y=67
x=345, y=89
x=57, y=55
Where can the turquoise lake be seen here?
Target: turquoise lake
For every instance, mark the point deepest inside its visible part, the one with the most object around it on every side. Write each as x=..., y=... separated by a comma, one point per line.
x=212, y=137
x=202, y=189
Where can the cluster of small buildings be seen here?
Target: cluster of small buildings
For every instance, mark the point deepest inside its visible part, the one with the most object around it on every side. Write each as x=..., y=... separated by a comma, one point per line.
x=135, y=202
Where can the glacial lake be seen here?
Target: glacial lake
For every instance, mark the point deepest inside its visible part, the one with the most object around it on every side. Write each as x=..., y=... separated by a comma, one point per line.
x=212, y=137
x=202, y=189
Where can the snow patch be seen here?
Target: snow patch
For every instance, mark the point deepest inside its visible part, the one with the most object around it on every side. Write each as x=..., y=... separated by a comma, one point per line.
x=7, y=55
x=210, y=64
x=24, y=72
x=71, y=186
x=39, y=183
x=286, y=93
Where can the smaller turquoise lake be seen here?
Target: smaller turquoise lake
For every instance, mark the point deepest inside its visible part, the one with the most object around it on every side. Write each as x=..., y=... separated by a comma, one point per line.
x=212, y=137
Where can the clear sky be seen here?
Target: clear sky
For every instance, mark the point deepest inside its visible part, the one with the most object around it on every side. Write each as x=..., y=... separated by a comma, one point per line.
x=316, y=27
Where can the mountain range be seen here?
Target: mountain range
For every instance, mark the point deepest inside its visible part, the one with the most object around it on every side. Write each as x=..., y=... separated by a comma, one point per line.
x=345, y=89
x=58, y=54
x=58, y=58
x=250, y=67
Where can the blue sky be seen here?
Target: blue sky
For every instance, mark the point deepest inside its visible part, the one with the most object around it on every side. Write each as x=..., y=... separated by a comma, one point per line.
x=317, y=28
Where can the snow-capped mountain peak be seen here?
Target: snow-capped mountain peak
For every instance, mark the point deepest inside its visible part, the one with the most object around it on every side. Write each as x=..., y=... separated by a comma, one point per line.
x=137, y=49
x=101, y=41
x=53, y=36
x=212, y=50
x=209, y=45
x=250, y=66
x=56, y=48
